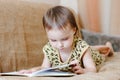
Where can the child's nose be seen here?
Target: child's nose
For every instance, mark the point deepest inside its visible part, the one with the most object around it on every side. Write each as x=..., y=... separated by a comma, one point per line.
x=60, y=44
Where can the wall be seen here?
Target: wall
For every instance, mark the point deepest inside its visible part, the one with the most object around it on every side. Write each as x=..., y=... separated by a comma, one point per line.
x=98, y=15
x=94, y=15
x=115, y=17
x=54, y=2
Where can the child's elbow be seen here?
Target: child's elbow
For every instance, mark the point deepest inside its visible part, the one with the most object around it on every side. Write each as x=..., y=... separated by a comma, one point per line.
x=93, y=69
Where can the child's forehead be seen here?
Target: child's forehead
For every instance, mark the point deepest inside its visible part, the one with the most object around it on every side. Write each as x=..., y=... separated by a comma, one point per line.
x=59, y=32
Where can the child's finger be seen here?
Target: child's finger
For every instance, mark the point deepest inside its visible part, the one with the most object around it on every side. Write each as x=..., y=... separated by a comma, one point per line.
x=24, y=71
x=74, y=63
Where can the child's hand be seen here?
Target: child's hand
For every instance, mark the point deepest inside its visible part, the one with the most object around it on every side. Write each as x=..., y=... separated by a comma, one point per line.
x=29, y=70
x=76, y=68
x=25, y=71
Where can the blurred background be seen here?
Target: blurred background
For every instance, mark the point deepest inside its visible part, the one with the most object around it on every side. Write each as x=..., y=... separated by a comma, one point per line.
x=95, y=15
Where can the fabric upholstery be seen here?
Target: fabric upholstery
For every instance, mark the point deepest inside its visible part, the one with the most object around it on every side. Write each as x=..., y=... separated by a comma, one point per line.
x=94, y=38
x=22, y=35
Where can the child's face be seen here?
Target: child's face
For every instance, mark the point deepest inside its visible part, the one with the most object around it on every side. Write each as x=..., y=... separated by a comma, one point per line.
x=61, y=39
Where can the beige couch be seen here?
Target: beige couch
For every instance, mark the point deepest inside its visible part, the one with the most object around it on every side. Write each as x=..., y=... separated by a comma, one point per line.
x=22, y=37
x=21, y=34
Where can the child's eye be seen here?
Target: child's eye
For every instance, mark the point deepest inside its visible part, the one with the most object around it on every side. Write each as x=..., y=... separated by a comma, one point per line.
x=65, y=39
x=53, y=40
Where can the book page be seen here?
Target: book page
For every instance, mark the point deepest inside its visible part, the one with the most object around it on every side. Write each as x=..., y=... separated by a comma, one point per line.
x=15, y=73
x=50, y=69
x=54, y=71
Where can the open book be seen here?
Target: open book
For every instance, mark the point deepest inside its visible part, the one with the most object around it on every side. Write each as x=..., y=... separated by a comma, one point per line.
x=54, y=71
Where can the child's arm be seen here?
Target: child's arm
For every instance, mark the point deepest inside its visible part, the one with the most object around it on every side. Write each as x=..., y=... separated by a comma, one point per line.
x=29, y=70
x=45, y=64
x=89, y=65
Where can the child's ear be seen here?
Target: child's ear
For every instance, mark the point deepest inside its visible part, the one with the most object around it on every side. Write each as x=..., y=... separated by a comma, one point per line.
x=75, y=30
